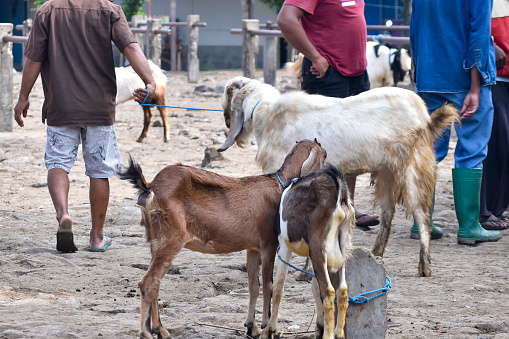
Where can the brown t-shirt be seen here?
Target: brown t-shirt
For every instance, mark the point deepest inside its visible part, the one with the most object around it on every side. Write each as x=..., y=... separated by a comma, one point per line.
x=72, y=39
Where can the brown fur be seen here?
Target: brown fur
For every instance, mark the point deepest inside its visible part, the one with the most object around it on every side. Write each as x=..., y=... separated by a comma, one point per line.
x=210, y=213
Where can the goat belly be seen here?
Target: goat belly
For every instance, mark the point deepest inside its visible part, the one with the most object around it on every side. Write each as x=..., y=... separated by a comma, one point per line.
x=300, y=248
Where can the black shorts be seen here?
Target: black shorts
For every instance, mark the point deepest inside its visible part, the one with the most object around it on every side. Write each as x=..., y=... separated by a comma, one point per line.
x=333, y=84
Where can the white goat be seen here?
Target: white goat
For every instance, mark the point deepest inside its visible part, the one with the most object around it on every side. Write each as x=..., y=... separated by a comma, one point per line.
x=316, y=218
x=387, y=131
x=128, y=81
x=206, y=212
x=386, y=66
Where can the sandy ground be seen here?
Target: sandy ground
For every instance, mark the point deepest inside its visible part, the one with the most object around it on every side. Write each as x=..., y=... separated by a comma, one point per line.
x=44, y=293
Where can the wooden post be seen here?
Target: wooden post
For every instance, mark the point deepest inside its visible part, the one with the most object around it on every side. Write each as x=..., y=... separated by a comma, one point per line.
x=270, y=58
x=154, y=40
x=6, y=66
x=136, y=20
x=27, y=27
x=193, y=63
x=174, y=36
x=249, y=47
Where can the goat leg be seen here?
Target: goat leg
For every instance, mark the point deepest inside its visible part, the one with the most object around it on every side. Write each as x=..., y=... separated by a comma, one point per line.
x=147, y=118
x=282, y=270
x=253, y=269
x=327, y=294
x=342, y=298
x=166, y=125
x=422, y=218
x=149, y=290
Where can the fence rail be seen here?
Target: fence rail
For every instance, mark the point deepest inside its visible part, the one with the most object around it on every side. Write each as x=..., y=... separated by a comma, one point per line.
x=150, y=32
x=250, y=32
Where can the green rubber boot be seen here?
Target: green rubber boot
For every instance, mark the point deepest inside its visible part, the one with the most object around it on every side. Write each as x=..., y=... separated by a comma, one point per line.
x=436, y=232
x=467, y=187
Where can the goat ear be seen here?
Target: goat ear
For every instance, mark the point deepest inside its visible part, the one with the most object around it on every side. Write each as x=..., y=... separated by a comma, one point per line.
x=313, y=163
x=237, y=120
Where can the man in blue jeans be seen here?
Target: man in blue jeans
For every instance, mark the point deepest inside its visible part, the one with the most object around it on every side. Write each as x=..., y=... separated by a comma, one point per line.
x=453, y=54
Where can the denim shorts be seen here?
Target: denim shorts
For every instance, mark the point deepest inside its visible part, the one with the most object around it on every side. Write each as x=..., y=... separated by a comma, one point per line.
x=333, y=84
x=99, y=145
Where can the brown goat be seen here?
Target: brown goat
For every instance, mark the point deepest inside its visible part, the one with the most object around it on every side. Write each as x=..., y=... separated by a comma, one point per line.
x=316, y=219
x=206, y=212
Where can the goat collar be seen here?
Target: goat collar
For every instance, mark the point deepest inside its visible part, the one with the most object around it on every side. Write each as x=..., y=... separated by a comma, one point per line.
x=252, y=112
x=279, y=179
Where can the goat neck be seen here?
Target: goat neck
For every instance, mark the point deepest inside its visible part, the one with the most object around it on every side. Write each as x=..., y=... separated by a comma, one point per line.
x=306, y=157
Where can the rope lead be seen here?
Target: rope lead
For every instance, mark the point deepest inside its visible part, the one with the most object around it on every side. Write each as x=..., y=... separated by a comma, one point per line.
x=191, y=108
x=358, y=299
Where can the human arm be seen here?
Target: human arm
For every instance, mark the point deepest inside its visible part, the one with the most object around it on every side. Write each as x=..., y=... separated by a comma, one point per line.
x=30, y=73
x=140, y=65
x=500, y=57
x=471, y=101
x=288, y=21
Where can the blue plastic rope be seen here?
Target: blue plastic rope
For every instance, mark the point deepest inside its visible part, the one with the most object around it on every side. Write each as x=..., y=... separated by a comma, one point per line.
x=376, y=38
x=358, y=299
x=361, y=299
x=195, y=109
x=281, y=182
x=295, y=268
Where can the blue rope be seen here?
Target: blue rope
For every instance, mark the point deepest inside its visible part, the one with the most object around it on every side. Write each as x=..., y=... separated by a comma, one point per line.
x=252, y=112
x=195, y=109
x=283, y=185
x=376, y=38
x=361, y=299
x=296, y=268
x=358, y=299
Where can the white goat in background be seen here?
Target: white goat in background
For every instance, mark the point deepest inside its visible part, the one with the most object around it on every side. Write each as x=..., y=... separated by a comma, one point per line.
x=128, y=81
x=387, y=66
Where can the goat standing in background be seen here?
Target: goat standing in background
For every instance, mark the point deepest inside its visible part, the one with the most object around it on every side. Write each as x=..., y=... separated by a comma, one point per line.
x=387, y=66
x=316, y=219
x=128, y=80
x=206, y=212
x=386, y=131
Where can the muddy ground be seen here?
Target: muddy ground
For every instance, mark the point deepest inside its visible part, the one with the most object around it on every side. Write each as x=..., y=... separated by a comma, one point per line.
x=44, y=293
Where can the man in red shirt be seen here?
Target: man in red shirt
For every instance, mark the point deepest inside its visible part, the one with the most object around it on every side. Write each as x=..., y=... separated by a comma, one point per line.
x=332, y=36
x=70, y=45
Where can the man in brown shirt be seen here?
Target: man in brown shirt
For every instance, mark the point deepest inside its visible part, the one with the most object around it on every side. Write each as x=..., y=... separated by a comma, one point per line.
x=70, y=46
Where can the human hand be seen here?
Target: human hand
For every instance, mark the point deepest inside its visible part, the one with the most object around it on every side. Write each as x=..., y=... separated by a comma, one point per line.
x=319, y=67
x=500, y=57
x=470, y=105
x=140, y=94
x=21, y=109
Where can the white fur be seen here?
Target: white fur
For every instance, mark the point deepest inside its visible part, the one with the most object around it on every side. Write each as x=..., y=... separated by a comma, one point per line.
x=379, y=67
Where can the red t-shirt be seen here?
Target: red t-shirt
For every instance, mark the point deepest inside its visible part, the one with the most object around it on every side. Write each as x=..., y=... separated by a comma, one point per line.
x=337, y=29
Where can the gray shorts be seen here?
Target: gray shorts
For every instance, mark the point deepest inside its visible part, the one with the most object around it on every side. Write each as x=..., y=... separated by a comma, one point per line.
x=99, y=144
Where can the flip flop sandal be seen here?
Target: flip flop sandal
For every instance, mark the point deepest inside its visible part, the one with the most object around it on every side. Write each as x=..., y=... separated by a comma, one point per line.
x=369, y=222
x=66, y=242
x=101, y=249
x=493, y=224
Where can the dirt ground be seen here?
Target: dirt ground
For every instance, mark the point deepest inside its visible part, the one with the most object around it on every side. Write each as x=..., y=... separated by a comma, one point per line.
x=44, y=293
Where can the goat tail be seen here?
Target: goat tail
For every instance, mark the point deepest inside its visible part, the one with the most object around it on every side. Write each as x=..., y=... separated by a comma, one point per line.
x=134, y=174
x=442, y=118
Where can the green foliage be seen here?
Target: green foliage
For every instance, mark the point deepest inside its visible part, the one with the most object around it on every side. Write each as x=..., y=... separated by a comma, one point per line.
x=132, y=7
x=39, y=3
x=274, y=4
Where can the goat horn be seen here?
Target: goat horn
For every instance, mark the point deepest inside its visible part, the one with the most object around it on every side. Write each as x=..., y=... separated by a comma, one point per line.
x=236, y=127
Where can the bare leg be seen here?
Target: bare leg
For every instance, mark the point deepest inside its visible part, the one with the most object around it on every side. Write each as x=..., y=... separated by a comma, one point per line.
x=58, y=186
x=99, y=197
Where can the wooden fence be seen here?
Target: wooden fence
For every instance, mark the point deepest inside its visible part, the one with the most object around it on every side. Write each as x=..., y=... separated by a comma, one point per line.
x=251, y=31
x=144, y=31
